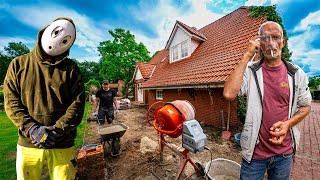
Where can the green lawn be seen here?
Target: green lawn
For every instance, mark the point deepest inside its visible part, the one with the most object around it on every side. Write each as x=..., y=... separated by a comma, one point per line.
x=8, y=139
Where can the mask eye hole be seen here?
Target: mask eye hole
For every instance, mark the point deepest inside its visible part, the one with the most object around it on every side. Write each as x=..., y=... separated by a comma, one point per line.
x=56, y=31
x=65, y=41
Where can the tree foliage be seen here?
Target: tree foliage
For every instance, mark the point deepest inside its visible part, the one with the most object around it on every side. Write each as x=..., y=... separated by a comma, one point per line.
x=16, y=49
x=11, y=51
x=119, y=57
x=271, y=14
x=314, y=82
x=91, y=82
x=89, y=70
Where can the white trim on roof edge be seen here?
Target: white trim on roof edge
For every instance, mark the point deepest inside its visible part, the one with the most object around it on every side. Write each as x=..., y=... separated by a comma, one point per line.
x=138, y=74
x=173, y=32
x=154, y=68
x=185, y=87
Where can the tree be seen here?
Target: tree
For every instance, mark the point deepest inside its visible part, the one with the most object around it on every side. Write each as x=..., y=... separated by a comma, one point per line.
x=16, y=49
x=89, y=70
x=314, y=82
x=270, y=12
x=11, y=51
x=119, y=57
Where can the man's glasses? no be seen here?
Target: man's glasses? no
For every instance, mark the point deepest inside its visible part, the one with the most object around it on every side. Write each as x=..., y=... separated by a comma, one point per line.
x=268, y=38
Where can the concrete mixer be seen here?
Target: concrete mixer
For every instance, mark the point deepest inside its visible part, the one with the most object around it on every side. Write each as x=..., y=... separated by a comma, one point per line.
x=174, y=119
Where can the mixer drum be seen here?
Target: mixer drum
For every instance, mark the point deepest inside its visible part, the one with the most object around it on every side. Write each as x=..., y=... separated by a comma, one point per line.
x=169, y=119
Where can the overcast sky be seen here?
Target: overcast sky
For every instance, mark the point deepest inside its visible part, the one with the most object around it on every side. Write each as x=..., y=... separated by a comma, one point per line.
x=151, y=21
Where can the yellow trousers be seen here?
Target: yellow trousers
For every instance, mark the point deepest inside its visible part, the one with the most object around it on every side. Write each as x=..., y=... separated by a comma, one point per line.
x=60, y=162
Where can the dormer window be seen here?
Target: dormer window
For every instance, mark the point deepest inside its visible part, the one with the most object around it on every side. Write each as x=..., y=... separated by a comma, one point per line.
x=175, y=53
x=184, y=48
x=183, y=41
x=179, y=51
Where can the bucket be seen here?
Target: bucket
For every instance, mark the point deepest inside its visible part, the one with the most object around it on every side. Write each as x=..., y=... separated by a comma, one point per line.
x=223, y=169
x=237, y=137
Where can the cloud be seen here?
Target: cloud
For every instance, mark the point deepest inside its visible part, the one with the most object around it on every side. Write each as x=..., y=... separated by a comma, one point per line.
x=88, y=34
x=5, y=40
x=261, y=2
x=88, y=58
x=312, y=19
x=163, y=16
x=303, y=53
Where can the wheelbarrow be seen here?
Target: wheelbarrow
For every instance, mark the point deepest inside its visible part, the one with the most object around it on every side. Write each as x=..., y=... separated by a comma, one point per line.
x=111, y=135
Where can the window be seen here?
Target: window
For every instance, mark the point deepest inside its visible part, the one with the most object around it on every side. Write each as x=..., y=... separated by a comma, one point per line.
x=175, y=54
x=179, y=51
x=159, y=95
x=184, y=49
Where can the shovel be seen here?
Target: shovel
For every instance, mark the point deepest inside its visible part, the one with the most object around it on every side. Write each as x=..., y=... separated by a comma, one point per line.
x=225, y=135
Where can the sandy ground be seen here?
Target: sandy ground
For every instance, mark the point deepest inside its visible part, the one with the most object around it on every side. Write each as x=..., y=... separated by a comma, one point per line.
x=132, y=164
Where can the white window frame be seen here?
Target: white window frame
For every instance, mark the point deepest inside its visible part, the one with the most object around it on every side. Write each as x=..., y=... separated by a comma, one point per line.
x=184, y=50
x=159, y=94
x=175, y=52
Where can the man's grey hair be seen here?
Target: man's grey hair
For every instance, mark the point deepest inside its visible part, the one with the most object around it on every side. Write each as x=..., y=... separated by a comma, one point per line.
x=269, y=22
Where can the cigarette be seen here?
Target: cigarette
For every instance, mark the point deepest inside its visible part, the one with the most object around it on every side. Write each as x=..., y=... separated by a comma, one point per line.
x=253, y=57
x=272, y=53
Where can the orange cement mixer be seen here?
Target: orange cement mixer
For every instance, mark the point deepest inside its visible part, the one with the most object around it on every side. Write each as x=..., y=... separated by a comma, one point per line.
x=169, y=119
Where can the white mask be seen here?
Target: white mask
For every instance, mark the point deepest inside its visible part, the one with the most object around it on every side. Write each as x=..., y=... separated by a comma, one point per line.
x=58, y=37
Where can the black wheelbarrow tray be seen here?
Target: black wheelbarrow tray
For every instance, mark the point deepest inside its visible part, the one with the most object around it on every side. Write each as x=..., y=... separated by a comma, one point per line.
x=114, y=131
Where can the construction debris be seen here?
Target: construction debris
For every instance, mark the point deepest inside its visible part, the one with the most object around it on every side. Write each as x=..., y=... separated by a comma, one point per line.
x=148, y=145
x=124, y=104
x=91, y=162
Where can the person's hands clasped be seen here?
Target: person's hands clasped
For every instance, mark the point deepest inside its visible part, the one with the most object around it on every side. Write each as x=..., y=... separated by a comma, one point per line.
x=45, y=136
x=279, y=131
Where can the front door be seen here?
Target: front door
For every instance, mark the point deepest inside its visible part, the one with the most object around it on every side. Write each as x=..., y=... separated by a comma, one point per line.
x=140, y=95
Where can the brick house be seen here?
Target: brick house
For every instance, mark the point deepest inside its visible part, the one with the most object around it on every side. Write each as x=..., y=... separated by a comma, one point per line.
x=195, y=64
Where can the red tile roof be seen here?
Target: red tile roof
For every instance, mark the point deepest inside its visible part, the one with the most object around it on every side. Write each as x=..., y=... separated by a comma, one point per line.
x=157, y=58
x=145, y=69
x=214, y=59
x=192, y=30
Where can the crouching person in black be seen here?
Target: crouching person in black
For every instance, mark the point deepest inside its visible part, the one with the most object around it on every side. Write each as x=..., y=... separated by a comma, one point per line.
x=105, y=100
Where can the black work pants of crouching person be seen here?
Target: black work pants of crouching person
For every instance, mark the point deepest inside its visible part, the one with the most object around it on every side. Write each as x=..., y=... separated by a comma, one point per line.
x=105, y=113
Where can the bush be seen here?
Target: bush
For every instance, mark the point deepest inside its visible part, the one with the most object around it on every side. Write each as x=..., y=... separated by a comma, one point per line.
x=242, y=108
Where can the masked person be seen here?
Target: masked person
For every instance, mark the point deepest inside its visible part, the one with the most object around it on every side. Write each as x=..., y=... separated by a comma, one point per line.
x=278, y=98
x=44, y=97
x=105, y=100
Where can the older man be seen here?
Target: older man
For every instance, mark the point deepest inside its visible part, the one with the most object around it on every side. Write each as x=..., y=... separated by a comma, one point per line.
x=278, y=99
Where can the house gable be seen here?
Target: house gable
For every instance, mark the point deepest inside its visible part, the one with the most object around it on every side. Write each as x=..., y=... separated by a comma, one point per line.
x=138, y=75
x=182, y=42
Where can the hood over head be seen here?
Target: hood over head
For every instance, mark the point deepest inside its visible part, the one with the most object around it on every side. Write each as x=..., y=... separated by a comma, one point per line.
x=42, y=55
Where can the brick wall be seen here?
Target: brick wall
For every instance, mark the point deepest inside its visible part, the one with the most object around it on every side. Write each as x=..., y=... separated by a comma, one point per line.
x=206, y=111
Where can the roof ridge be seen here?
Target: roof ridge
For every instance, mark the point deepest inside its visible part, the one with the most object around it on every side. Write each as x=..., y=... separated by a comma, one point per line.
x=189, y=28
x=241, y=7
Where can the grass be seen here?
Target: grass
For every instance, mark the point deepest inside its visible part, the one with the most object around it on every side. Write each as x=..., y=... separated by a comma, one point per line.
x=9, y=137
x=81, y=127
